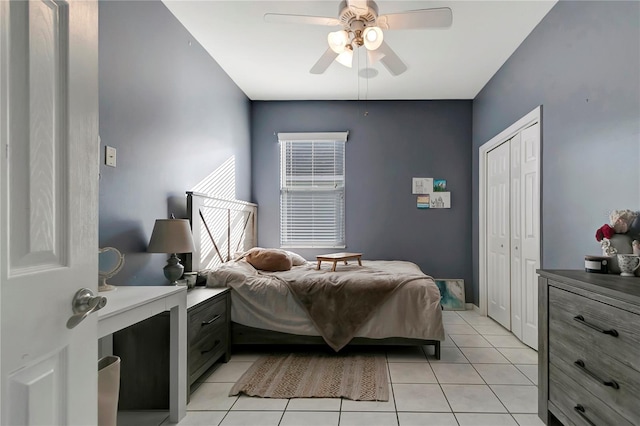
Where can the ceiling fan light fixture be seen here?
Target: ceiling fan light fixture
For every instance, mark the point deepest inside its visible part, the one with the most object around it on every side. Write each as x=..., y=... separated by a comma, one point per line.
x=346, y=58
x=373, y=37
x=338, y=40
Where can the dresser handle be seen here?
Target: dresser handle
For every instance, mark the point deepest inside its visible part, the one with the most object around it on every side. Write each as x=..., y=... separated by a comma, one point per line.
x=212, y=320
x=580, y=410
x=581, y=320
x=215, y=345
x=611, y=383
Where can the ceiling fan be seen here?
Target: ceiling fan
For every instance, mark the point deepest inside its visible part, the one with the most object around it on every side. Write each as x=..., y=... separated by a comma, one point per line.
x=362, y=26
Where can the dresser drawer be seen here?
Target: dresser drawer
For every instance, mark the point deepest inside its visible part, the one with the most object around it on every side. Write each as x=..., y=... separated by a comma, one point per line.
x=211, y=344
x=604, y=328
x=580, y=406
x=205, y=317
x=614, y=383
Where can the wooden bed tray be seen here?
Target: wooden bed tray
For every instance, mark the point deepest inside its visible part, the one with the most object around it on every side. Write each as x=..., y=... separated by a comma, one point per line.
x=243, y=335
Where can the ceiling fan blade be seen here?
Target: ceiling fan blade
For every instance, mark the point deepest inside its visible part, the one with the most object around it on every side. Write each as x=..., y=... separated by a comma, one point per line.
x=417, y=19
x=359, y=7
x=391, y=61
x=374, y=56
x=278, y=18
x=323, y=63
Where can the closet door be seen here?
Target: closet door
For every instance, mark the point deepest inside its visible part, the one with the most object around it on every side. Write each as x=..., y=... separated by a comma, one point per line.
x=530, y=241
x=498, y=264
x=516, y=201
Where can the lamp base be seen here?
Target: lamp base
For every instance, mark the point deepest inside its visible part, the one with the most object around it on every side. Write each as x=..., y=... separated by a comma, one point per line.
x=173, y=270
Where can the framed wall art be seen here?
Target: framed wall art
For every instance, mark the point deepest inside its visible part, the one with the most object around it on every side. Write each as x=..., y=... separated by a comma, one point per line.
x=451, y=293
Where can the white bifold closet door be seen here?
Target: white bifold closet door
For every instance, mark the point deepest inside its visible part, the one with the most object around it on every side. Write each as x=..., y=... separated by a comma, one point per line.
x=529, y=249
x=513, y=225
x=498, y=235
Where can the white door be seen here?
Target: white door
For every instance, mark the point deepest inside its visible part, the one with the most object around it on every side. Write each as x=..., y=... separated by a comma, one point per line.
x=48, y=210
x=498, y=291
x=516, y=236
x=530, y=241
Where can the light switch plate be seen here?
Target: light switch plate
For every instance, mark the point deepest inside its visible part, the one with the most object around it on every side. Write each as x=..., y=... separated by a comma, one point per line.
x=110, y=156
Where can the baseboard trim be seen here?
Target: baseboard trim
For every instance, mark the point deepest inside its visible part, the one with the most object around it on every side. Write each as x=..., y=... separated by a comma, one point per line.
x=471, y=307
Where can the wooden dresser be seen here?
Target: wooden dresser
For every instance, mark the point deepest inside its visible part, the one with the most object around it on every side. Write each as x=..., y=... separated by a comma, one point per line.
x=208, y=329
x=588, y=348
x=144, y=349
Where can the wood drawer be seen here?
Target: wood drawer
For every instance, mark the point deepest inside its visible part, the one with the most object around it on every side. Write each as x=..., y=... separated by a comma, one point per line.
x=206, y=350
x=205, y=317
x=569, y=397
x=623, y=383
x=596, y=317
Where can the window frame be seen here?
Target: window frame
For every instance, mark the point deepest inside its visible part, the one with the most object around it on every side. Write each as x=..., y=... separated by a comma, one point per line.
x=288, y=238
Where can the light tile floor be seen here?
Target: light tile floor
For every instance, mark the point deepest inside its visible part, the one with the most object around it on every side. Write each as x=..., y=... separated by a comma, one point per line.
x=485, y=376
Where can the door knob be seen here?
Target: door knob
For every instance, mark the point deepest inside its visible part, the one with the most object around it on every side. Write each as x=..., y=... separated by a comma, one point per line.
x=84, y=303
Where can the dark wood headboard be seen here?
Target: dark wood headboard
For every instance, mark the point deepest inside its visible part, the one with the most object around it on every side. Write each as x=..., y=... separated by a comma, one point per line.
x=220, y=229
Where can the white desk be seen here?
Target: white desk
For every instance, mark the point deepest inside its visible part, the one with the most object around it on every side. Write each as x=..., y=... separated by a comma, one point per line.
x=128, y=305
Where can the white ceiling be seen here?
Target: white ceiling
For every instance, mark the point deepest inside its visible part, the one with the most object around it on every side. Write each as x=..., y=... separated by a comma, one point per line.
x=272, y=61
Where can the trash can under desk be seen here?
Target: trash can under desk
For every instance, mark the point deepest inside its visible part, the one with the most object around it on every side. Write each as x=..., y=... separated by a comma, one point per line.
x=108, y=390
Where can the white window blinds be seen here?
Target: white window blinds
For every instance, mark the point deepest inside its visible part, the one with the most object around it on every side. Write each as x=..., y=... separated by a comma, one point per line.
x=312, y=188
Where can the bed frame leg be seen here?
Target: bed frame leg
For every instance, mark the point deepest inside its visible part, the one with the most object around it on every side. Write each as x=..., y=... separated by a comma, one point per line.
x=437, y=350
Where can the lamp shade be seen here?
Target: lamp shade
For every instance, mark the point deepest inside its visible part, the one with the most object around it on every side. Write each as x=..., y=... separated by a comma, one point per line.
x=372, y=37
x=346, y=57
x=338, y=41
x=171, y=236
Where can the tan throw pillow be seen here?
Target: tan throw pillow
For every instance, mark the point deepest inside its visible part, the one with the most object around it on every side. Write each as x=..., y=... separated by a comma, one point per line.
x=268, y=260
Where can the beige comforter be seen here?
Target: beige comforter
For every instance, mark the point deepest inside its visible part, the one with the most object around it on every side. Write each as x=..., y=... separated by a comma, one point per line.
x=386, y=299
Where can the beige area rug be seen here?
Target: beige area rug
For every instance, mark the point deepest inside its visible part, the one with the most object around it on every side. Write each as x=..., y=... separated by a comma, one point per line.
x=354, y=376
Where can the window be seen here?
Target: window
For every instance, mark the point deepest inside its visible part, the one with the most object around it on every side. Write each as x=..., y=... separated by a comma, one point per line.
x=312, y=189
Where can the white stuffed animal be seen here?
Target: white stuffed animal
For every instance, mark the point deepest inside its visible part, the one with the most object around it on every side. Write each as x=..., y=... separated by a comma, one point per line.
x=621, y=220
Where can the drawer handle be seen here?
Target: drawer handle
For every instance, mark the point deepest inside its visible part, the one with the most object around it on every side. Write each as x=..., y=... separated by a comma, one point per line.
x=211, y=321
x=581, y=411
x=581, y=320
x=215, y=345
x=610, y=383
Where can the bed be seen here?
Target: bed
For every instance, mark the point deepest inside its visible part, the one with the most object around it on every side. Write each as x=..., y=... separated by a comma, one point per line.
x=282, y=307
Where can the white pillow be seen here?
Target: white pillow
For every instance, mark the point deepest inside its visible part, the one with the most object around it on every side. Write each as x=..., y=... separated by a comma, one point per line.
x=296, y=258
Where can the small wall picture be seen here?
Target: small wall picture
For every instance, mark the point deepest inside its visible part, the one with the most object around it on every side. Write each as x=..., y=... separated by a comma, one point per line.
x=441, y=200
x=424, y=201
x=439, y=185
x=451, y=294
x=422, y=185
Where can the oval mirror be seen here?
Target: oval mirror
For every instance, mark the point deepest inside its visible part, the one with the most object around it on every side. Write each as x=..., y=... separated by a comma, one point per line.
x=110, y=262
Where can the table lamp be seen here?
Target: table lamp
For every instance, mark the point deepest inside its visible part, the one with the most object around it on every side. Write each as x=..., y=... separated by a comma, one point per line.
x=172, y=236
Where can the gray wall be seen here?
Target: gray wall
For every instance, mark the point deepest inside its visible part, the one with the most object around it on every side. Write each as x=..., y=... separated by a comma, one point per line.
x=582, y=64
x=175, y=118
x=396, y=141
